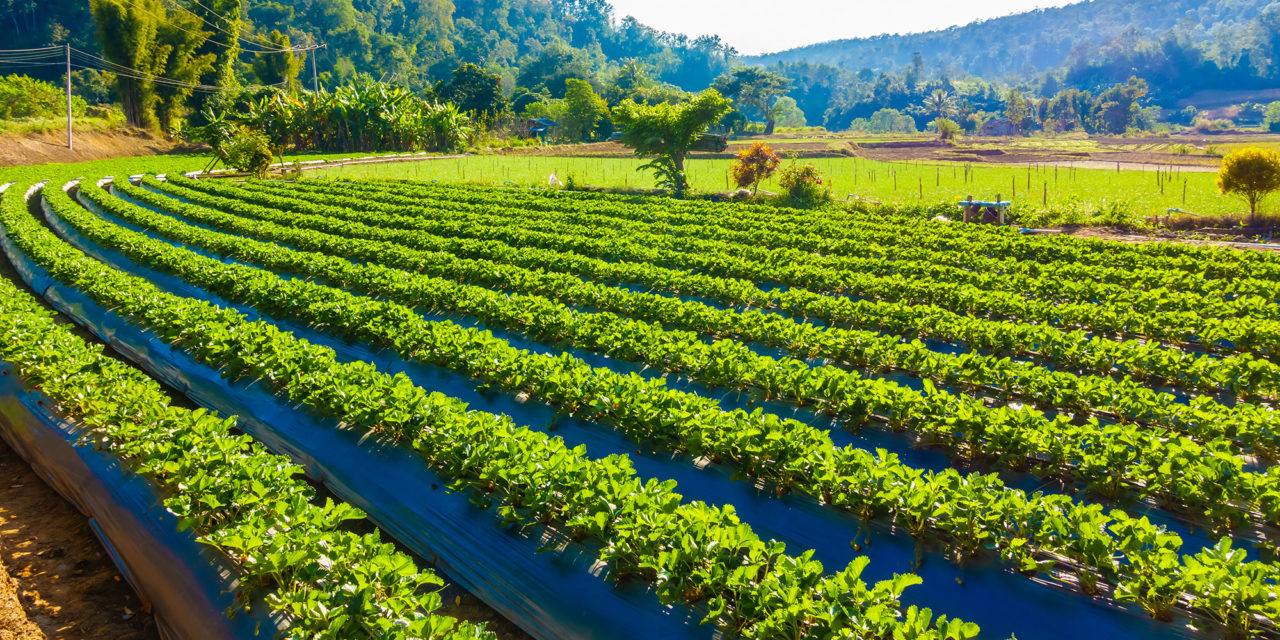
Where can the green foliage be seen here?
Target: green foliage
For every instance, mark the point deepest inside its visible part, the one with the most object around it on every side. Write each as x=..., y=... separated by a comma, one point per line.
x=802, y=186
x=93, y=86
x=633, y=82
x=885, y=121
x=1216, y=125
x=1116, y=214
x=475, y=92
x=221, y=21
x=787, y=115
x=940, y=103
x=1271, y=120
x=1016, y=108
x=279, y=69
x=667, y=132
x=248, y=151
x=24, y=97
x=366, y=117
x=947, y=128
x=584, y=111
x=1117, y=107
x=1250, y=173
x=144, y=35
x=756, y=89
x=552, y=67
x=667, y=176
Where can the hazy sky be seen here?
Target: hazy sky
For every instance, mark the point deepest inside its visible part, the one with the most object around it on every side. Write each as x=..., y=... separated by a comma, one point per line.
x=765, y=26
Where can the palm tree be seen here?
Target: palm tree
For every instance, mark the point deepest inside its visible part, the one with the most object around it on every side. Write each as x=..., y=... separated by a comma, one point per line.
x=940, y=103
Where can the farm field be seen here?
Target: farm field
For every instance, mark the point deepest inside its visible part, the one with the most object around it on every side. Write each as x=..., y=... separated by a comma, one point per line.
x=1054, y=188
x=611, y=416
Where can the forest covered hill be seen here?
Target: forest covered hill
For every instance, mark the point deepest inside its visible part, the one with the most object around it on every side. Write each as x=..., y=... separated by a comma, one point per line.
x=415, y=42
x=1022, y=45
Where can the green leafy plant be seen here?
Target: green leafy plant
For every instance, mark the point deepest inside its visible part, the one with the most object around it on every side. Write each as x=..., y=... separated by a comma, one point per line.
x=667, y=176
x=668, y=132
x=530, y=478
x=802, y=186
x=977, y=523
x=248, y=151
x=947, y=128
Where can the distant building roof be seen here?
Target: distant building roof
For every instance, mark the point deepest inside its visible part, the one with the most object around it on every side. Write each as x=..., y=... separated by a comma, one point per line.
x=545, y=122
x=999, y=127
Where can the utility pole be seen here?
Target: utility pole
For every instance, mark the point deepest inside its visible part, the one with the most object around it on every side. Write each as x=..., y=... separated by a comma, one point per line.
x=315, y=79
x=69, y=145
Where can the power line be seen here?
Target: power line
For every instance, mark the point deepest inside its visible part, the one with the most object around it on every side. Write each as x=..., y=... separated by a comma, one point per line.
x=50, y=48
x=28, y=57
x=136, y=5
x=90, y=61
x=83, y=60
x=266, y=44
x=31, y=57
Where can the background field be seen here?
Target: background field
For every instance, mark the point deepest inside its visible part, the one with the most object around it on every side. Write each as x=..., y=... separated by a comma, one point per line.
x=1031, y=188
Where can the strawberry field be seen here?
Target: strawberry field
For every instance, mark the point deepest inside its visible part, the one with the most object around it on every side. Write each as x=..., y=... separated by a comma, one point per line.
x=614, y=416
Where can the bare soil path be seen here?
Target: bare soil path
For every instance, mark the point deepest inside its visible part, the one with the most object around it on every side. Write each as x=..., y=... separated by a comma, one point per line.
x=63, y=582
x=39, y=148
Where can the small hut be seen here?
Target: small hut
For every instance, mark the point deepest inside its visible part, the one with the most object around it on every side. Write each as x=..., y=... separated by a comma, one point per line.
x=1001, y=127
x=539, y=127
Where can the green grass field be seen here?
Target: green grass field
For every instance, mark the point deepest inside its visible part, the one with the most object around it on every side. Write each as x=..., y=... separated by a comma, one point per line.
x=1031, y=189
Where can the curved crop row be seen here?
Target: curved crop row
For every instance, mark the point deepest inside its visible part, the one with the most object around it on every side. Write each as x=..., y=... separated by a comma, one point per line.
x=893, y=236
x=893, y=228
x=870, y=255
x=1075, y=351
x=691, y=552
x=800, y=269
x=1255, y=428
x=787, y=453
x=246, y=502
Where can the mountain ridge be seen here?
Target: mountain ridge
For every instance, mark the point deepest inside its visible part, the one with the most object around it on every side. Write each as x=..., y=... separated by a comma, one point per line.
x=1036, y=41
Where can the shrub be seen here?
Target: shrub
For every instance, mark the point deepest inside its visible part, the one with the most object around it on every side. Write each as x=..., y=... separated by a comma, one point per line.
x=1271, y=121
x=96, y=87
x=1205, y=125
x=803, y=187
x=947, y=128
x=667, y=176
x=754, y=165
x=248, y=151
x=25, y=97
x=1116, y=214
x=1250, y=173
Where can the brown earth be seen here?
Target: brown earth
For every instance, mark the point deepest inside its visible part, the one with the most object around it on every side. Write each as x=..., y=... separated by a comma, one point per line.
x=1226, y=238
x=58, y=572
x=916, y=151
x=1126, y=160
x=14, y=624
x=39, y=148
